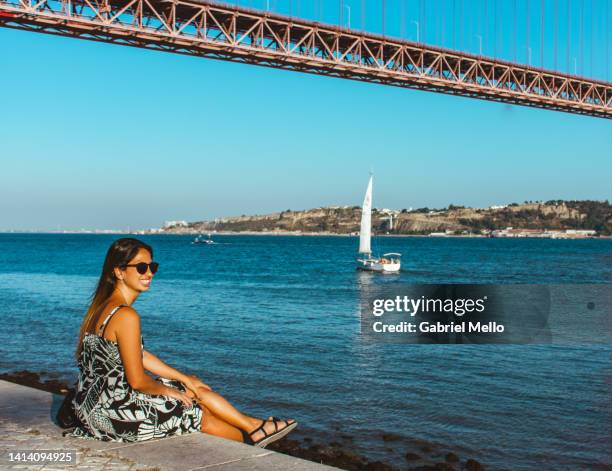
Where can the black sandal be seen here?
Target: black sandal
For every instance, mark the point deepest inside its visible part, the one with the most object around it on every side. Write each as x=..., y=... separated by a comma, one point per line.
x=249, y=439
x=246, y=438
x=274, y=436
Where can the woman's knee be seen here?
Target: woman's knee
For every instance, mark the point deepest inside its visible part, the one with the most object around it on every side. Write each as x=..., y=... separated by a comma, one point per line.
x=202, y=390
x=205, y=396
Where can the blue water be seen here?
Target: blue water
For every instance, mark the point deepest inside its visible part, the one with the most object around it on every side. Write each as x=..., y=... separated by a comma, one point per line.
x=273, y=324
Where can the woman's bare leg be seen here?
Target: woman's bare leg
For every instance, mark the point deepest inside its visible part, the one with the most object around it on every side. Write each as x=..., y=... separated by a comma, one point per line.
x=217, y=427
x=223, y=410
x=227, y=417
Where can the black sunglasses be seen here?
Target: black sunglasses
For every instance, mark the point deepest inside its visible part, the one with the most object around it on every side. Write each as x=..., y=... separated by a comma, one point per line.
x=142, y=267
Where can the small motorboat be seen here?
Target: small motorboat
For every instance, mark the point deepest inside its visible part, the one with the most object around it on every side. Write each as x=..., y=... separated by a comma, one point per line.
x=200, y=240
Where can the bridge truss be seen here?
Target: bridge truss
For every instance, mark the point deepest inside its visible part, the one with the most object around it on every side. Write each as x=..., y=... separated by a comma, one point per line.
x=202, y=28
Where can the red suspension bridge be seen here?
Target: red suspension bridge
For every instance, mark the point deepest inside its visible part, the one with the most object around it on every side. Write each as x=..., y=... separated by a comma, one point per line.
x=206, y=29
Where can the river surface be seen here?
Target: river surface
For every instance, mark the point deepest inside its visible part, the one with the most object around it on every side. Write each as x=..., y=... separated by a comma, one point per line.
x=273, y=324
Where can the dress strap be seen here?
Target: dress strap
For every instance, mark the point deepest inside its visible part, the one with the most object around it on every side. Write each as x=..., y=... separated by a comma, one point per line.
x=112, y=313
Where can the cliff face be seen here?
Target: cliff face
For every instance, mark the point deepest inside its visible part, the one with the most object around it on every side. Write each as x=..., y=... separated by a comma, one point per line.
x=345, y=220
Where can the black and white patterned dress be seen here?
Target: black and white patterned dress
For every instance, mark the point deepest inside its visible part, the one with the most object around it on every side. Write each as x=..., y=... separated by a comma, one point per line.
x=111, y=410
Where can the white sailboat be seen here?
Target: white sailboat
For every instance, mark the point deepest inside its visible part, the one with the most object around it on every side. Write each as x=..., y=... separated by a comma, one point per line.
x=389, y=262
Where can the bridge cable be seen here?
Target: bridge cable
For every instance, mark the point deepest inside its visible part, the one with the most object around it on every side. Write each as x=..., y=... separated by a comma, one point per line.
x=419, y=24
x=461, y=27
x=444, y=23
x=439, y=19
x=591, y=33
x=424, y=21
x=568, y=47
x=486, y=23
x=455, y=24
x=515, y=32
x=479, y=29
x=527, y=32
x=402, y=19
x=384, y=8
x=581, y=37
x=542, y=34
x=495, y=28
x=556, y=67
x=363, y=15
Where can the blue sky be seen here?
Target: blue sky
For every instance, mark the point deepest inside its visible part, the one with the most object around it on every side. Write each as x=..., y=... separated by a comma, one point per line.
x=104, y=136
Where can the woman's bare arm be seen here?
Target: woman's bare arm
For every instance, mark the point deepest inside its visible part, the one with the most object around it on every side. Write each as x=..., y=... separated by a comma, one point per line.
x=127, y=330
x=157, y=367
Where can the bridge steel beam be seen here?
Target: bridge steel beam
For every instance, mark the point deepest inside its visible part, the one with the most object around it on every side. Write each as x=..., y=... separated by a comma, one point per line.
x=206, y=29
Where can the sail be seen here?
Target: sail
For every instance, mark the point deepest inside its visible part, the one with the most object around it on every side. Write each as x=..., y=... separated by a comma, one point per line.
x=366, y=222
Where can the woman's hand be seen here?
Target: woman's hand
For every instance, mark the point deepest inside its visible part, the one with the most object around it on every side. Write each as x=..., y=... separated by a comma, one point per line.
x=181, y=396
x=194, y=384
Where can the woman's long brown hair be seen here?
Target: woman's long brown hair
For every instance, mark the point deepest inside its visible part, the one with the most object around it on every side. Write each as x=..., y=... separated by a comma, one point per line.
x=119, y=254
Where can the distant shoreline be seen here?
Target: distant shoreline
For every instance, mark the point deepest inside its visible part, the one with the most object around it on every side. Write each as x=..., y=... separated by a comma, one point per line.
x=551, y=219
x=292, y=234
x=555, y=219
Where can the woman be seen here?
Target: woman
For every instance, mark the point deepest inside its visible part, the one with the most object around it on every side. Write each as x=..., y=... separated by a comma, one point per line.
x=116, y=399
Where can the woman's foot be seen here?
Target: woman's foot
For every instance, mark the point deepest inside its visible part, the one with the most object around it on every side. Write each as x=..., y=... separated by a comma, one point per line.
x=271, y=430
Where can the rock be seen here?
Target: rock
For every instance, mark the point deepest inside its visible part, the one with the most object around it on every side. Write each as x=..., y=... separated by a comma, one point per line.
x=473, y=465
x=412, y=456
x=33, y=380
x=443, y=467
x=377, y=466
x=287, y=446
x=423, y=445
x=451, y=458
x=391, y=437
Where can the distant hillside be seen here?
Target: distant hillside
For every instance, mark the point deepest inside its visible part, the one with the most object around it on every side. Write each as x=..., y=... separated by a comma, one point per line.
x=556, y=215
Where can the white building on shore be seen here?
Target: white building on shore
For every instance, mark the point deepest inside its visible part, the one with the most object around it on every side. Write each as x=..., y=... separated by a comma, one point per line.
x=168, y=224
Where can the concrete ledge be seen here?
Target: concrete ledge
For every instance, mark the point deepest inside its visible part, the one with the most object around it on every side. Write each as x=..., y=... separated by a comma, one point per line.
x=27, y=423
